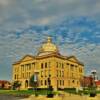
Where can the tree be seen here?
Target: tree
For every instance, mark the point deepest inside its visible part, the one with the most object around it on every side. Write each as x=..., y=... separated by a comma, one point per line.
x=34, y=84
x=16, y=85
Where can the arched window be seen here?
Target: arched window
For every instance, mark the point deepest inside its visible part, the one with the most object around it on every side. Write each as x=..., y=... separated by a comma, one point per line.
x=26, y=83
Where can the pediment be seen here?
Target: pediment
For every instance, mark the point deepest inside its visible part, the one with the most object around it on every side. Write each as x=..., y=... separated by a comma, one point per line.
x=27, y=57
x=73, y=58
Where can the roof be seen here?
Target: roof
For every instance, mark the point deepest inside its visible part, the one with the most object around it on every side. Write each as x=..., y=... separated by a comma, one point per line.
x=4, y=81
x=98, y=82
x=47, y=55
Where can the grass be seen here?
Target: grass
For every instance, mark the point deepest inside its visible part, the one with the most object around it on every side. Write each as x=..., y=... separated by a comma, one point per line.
x=22, y=92
x=17, y=92
x=30, y=92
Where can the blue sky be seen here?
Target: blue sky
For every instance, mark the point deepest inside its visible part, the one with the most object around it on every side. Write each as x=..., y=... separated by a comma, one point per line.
x=73, y=24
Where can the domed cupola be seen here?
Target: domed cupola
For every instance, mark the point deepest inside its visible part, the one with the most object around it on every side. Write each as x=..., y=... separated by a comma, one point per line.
x=48, y=47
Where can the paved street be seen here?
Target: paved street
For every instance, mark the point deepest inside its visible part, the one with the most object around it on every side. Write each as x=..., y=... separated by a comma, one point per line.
x=66, y=97
x=9, y=97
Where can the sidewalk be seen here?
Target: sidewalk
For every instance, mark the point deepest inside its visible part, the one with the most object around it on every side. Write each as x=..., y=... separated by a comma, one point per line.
x=65, y=97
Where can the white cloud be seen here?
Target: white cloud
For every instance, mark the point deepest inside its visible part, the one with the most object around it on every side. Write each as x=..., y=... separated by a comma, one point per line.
x=18, y=15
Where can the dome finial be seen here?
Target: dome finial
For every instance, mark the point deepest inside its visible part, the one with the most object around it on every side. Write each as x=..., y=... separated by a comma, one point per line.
x=49, y=40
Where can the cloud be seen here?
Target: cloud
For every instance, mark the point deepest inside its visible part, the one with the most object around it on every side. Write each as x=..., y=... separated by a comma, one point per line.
x=73, y=24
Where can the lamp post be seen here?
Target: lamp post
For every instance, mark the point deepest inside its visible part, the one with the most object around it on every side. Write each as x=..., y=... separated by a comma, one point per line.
x=50, y=89
x=36, y=72
x=93, y=72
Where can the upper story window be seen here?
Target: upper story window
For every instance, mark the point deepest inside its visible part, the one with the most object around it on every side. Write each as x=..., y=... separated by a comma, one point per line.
x=62, y=65
x=67, y=63
x=29, y=66
x=62, y=73
x=41, y=65
x=45, y=82
x=80, y=70
x=57, y=64
x=72, y=67
x=41, y=82
x=15, y=76
x=41, y=73
x=22, y=67
x=45, y=65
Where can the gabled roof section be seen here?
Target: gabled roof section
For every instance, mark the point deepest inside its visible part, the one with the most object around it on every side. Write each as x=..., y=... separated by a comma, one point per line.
x=74, y=59
x=25, y=58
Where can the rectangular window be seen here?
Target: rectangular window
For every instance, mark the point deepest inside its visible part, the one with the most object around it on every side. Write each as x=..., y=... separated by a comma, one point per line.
x=63, y=82
x=45, y=73
x=41, y=65
x=41, y=82
x=45, y=65
x=15, y=76
x=45, y=82
x=62, y=65
x=41, y=73
x=72, y=67
x=57, y=73
x=60, y=82
x=57, y=64
x=57, y=83
x=62, y=73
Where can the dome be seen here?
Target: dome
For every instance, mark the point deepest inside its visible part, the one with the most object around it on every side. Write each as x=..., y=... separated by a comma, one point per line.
x=48, y=46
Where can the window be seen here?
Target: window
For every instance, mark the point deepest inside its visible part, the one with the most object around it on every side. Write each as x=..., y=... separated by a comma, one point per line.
x=45, y=65
x=57, y=73
x=72, y=67
x=73, y=81
x=62, y=65
x=57, y=64
x=60, y=82
x=45, y=73
x=57, y=83
x=41, y=82
x=41, y=65
x=15, y=76
x=69, y=82
x=22, y=67
x=41, y=73
x=63, y=82
x=77, y=82
x=45, y=82
x=23, y=75
x=62, y=73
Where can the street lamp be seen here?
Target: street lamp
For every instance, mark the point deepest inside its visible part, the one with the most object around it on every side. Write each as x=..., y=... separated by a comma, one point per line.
x=94, y=73
x=50, y=89
x=36, y=72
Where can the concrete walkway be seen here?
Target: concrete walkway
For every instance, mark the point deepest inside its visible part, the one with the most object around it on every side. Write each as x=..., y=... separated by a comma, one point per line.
x=64, y=97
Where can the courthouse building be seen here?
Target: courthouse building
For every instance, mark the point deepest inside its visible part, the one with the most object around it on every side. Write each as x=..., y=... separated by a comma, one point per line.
x=63, y=71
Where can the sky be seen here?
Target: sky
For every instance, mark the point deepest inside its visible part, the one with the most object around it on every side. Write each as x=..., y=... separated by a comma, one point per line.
x=74, y=26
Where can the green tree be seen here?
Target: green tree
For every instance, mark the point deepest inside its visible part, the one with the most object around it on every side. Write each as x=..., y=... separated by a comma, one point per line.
x=16, y=85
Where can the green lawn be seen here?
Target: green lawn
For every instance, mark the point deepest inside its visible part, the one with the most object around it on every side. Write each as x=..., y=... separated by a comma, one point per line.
x=22, y=92
x=30, y=92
